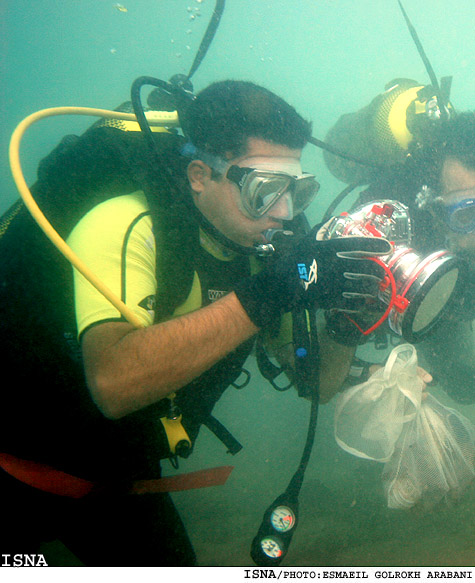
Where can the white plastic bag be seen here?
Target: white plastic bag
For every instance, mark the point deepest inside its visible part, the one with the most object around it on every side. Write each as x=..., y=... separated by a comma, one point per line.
x=428, y=449
x=369, y=417
x=434, y=455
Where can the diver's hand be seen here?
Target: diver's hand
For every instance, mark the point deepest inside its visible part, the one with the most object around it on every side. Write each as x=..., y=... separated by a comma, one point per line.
x=337, y=274
x=331, y=274
x=425, y=377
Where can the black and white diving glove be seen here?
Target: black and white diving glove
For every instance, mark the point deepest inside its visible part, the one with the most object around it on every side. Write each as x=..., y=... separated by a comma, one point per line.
x=332, y=274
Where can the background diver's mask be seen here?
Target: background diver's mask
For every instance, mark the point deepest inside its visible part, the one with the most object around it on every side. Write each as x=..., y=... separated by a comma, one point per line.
x=262, y=188
x=458, y=215
x=419, y=287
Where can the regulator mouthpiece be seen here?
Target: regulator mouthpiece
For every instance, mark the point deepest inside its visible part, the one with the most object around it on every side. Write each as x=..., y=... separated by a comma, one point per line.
x=273, y=236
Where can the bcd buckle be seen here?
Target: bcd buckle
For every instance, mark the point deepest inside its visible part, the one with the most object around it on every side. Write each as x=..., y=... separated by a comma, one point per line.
x=178, y=440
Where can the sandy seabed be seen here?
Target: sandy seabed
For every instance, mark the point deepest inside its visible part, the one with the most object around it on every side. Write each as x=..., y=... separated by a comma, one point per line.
x=343, y=515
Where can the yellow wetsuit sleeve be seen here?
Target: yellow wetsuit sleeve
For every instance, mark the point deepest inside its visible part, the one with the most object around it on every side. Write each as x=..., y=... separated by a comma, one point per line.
x=115, y=240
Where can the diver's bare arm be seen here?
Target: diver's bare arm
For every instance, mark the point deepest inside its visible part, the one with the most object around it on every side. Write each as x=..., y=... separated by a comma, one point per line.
x=335, y=362
x=128, y=368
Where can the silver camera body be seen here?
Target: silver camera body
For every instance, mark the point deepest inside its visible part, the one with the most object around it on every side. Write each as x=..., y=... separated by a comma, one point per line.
x=424, y=284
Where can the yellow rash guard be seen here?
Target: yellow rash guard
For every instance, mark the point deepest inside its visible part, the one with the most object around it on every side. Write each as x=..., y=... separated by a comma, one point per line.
x=116, y=241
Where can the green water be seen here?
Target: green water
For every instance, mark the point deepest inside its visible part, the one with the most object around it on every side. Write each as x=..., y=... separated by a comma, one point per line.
x=326, y=57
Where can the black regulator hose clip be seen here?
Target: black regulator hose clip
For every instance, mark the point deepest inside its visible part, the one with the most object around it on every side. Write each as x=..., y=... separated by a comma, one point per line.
x=171, y=96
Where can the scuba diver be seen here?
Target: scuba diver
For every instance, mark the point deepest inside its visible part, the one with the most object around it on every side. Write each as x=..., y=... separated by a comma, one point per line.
x=412, y=146
x=181, y=232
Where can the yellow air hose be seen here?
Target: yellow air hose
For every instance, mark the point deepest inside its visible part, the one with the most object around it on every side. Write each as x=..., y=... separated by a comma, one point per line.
x=175, y=432
x=154, y=118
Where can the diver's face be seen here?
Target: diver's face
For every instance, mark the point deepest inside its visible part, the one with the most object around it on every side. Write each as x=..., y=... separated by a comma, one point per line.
x=220, y=200
x=457, y=181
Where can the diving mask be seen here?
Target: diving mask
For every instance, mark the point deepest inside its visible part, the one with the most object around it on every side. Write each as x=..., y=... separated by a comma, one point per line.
x=459, y=215
x=261, y=189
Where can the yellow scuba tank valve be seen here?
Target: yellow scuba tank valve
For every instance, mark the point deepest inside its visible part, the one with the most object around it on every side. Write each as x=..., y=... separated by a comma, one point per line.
x=397, y=117
x=406, y=117
x=383, y=132
x=179, y=442
x=376, y=133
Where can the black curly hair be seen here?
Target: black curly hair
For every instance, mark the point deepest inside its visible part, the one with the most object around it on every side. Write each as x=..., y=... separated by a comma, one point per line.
x=225, y=114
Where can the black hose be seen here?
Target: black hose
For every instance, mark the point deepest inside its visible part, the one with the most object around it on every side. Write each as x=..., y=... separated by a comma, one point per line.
x=427, y=64
x=208, y=36
x=324, y=146
x=144, y=125
x=343, y=194
x=308, y=339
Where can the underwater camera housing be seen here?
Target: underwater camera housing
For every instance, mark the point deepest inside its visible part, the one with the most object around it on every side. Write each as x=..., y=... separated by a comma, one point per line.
x=418, y=288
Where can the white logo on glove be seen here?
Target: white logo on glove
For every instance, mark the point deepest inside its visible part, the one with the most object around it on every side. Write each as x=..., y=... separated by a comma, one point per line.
x=312, y=276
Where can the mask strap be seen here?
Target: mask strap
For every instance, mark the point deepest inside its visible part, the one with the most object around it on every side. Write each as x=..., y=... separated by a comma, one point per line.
x=189, y=150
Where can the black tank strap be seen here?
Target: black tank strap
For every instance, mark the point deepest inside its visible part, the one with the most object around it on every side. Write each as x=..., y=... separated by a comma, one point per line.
x=268, y=369
x=223, y=435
